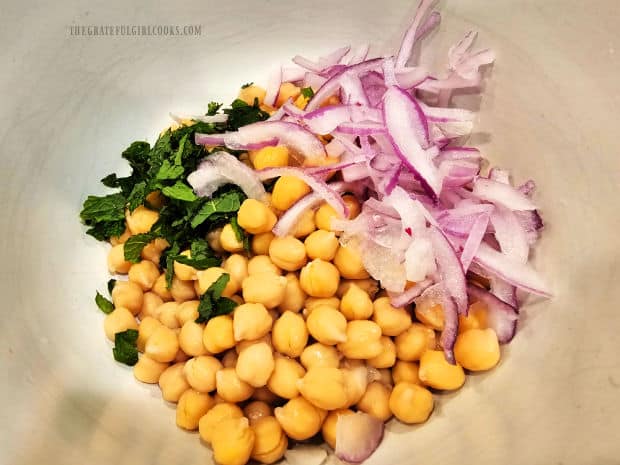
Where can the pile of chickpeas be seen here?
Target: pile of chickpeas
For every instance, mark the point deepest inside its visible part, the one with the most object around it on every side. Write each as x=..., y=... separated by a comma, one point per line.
x=313, y=336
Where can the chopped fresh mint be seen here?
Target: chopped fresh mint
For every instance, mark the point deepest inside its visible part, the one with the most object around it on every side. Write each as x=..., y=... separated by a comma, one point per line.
x=125, y=350
x=307, y=92
x=212, y=303
x=134, y=245
x=105, y=305
x=245, y=86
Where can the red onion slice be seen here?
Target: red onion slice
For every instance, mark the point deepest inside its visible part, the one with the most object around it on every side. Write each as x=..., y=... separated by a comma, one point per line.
x=273, y=87
x=405, y=298
x=412, y=33
x=289, y=219
x=510, y=234
x=501, y=317
x=502, y=194
x=450, y=269
x=476, y=234
x=357, y=436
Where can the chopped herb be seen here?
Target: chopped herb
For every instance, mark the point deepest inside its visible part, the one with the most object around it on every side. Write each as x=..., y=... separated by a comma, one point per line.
x=111, y=284
x=229, y=202
x=170, y=256
x=104, y=304
x=137, y=196
x=125, y=350
x=307, y=92
x=212, y=108
x=201, y=256
x=134, y=245
x=241, y=114
x=103, y=209
x=212, y=303
x=240, y=233
x=245, y=86
x=179, y=191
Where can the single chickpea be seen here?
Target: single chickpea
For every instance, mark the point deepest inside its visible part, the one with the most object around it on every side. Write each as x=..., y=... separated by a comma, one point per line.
x=321, y=244
x=257, y=409
x=118, y=321
x=148, y=370
x=242, y=345
x=369, y=286
x=288, y=253
x=271, y=157
x=115, y=240
x=376, y=401
x=261, y=242
x=230, y=387
x=430, y=314
x=387, y=357
x=255, y=364
x=191, y=407
x=150, y=303
x=476, y=318
x=232, y=441
x=477, y=349
x=251, y=321
x=294, y=295
x=190, y=339
x=219, y=334
x=185, y=272
x=200, y=372
x=299, y=419
x=210, y=421
x=436, y=372
x=155, y=199
x=249, y=93
x=283, y=380
x=287, y=190
x=392, y=320
x=411, y=403
x=236, y=266
x=324, y=215
x=313, y=302
x=405, y=371
x=362, y=340
x=353, y=205
x=411, y=344
x=327, y=325
x=264, y=288
x=256, y=217
x=148, y=325
x=328, y=430
x=209, y=276
x=270, y=441
x=289, y=334
x=162, y=345
x=228, y=240
x=305, y=225
x=187, y=311
x=167, y=314
x=349, y=262
x=116, y=260
x=213, y=239
x=319, y=278
x=129, y=295
x=324, y=387
x=320, y=355
x=172, y=382
x=356, y=304
x=152, y=251
x=160, y=288
x=141, y=219
x=262, y=264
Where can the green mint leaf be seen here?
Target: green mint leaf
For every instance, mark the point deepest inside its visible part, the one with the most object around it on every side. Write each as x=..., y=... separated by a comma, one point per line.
x=202, y=257
x=170, y=256
x=179, y=191
x=134, y=245
x=169, y=171
x=106, y=208
x=111, y=180
x=229, y=202
x=241, y=114
x=218, y=286
x=107, y=229
x=212, y=303
x=213, y=107
x=245, y=86
x=307, y=92
x=125, y=350
x=240, y=233
x=111, y=284
x=104, y=304
x=137, y=196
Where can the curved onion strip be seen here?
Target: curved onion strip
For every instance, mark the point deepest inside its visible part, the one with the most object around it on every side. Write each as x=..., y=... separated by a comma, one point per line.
x=405, y=298
x=357, y=436
x=289, y=219
x=501, y=317
x=503, y=194
x=450, y=269
x=412, y=33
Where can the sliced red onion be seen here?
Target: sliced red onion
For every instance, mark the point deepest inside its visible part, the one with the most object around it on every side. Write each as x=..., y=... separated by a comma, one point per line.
x=362, y=129
x=501, y=317
x=510, y=235
x=429, y=24
x=502, y=194
x=352, y=91
x=292, y=74
x=222, y=165
x=450, y=269
x=232, y=141
x=476, y=234
x=323, y=62
x=504, y=291
x=334, y=148
x=499, y=175
x=356, y=55
x=409, y=210
x=409, y=39
x=408, y=78
x=303, y=454
x=444, y=115
x=420, y=259
x=290, y=218
x=512, y=271
x=273, y=88
x=326, y=119
x=314, y=81
x=389, y=74
x=292, y=110
x=450, y=327
x=357, y=436
x=405, y=298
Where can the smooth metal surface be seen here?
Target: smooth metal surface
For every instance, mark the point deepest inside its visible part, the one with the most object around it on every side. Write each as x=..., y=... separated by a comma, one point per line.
x=70, y=105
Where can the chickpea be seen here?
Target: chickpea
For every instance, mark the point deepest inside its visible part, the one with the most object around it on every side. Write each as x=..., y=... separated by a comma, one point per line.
x=200, y=372
x=299, y=418
x=150, y=303
x=144, y=274
x=263, y=394
x=152, y=251
x=430, y=314
x=287, y=91
x=362, y=340
x=251, y=321
x=162, y=345
x=476, y=318
x=257, y=409
x=116, y=260
x=249, y=93
x=256, y=217
x=167, y=314
x=369, y=286
x=118, y=321
x=190, y=339
x=271, y=157
x=321, y=244
x=115, y=240
x=209, y=276
x=392, y=320
x=387, y=357
x=148, y=370
x=375, y=401
x=283, y=380
x=264, y=288
x=288, y=253
x=232, y=441
x=230, y=387
x=187, y=311
x=236, y=266
x=213, y=239
x=294, y=296
x=289, y=334
x=242, y=345
x=436, y=372
x=228, y=240
x=411, y=344
x=172, y=382
x=349, y=262
x=324, y=215
x=305, y=224
x=411, y=403
x=405, y=371
x=353, y=205
x=155, y=199
x=210, y=421
x=141, y=219
x=255, y=364
x=287, y=190
x=271, y=442
x=319, y=278
x=229, y=360
x=147, y=326
x=477, y=349
x=185, y=272
x=356, y=304
x=261, y=242
x=313, y=302
x=160, y=288
x=129, y=295
x=191, y=407
x=355, y=380
x=328, y=429
x=324, y=387
x=262, y=264
x=182, y=291
x=219, y=334
x=327, y=325
x=320, y=355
